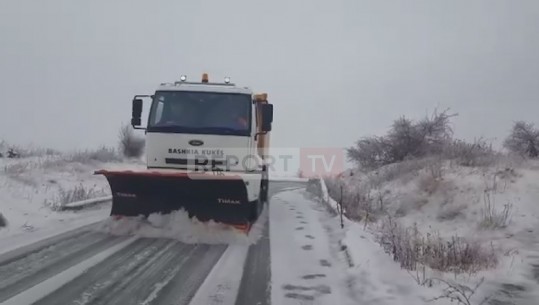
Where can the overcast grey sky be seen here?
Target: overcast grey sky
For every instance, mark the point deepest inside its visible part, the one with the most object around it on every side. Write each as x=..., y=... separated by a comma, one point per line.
x=335, y=70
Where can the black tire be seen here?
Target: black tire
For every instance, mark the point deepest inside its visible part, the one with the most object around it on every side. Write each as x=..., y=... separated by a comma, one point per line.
x=256, y=209
x=264, y=188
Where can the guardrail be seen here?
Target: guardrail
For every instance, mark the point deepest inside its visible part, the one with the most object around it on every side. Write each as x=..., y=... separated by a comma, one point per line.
x=79, y=205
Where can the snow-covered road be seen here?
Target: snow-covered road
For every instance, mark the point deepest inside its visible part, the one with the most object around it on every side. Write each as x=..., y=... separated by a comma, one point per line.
x=290, y=263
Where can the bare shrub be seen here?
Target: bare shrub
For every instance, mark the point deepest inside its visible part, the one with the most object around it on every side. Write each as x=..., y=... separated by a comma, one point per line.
x=3, y=221
x=478, y=153
x=358, y=203
x=16, y=169
x=314, y=187
x=405, y=140
x=130, y=145
x=523, y=139
x=75, y=194
x=35, y=152
x=102, y=154
x=507, y=176
x=401, y=170
x=371, y=152
x=491, y=218
x=411, y=249
x=459, y=293
x=435, y=169
x=16, y=151
x=431, y=172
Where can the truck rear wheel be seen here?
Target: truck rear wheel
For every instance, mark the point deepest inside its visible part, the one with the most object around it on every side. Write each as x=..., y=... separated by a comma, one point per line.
x=256, y=209
x=264, y=186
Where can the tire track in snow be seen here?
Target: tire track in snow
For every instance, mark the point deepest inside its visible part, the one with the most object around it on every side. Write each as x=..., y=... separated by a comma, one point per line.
x=19, y=274
x=149, y=271
x=99, y=279
x=188, y=279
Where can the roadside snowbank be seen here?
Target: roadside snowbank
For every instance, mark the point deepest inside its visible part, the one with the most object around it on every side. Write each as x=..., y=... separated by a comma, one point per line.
x=32, y=187
x=458, y=201
x=321, y=263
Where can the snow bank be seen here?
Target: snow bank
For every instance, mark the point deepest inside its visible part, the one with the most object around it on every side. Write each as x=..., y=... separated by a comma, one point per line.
x=452, y=202
x=334, y=205
x=31, y=187
x=381, y=280
x=321, y=263
x=179, y=226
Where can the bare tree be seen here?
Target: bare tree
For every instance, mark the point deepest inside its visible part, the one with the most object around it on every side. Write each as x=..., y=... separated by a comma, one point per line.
x=131, y=146
x=371, y=152
x=435, y=132
x=405, y=140
x=523, y=139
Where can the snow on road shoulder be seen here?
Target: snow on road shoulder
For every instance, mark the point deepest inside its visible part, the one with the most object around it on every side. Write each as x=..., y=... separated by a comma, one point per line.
x=303, y=269
x=53, y=227
x=29, y=185
x=374, y=277
x=177, y=225
x=315, y=261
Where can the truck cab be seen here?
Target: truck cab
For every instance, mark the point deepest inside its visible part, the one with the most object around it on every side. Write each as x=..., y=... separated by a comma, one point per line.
x=206, y=127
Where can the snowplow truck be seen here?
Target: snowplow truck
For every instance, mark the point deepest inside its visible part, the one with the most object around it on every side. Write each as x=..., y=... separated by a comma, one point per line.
x=206, y=148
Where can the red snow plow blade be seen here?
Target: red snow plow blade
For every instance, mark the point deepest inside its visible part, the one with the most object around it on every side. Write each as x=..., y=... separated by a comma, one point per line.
x=207, y=197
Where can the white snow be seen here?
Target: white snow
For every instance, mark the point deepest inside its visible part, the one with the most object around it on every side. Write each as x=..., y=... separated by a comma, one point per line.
x=177, y=225
x=375, y=278
x=361, y=274
x=49, y=230
x=451, y=206
x=44, y=288
x=30, y=185
x=303, y=267
x=222, y=284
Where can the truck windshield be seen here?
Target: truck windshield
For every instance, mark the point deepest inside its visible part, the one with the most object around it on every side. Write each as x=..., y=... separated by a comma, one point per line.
x=200, y=112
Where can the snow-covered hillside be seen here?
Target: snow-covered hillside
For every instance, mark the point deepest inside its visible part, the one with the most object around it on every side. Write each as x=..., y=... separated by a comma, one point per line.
x=438, y=219
x=32, y=188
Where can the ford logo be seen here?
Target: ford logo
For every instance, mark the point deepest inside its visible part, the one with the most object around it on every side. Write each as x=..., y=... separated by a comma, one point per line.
x=195, y=142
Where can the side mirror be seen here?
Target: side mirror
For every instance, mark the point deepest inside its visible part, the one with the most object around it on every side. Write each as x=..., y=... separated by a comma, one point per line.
x=137, y=112
x=267, y=116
